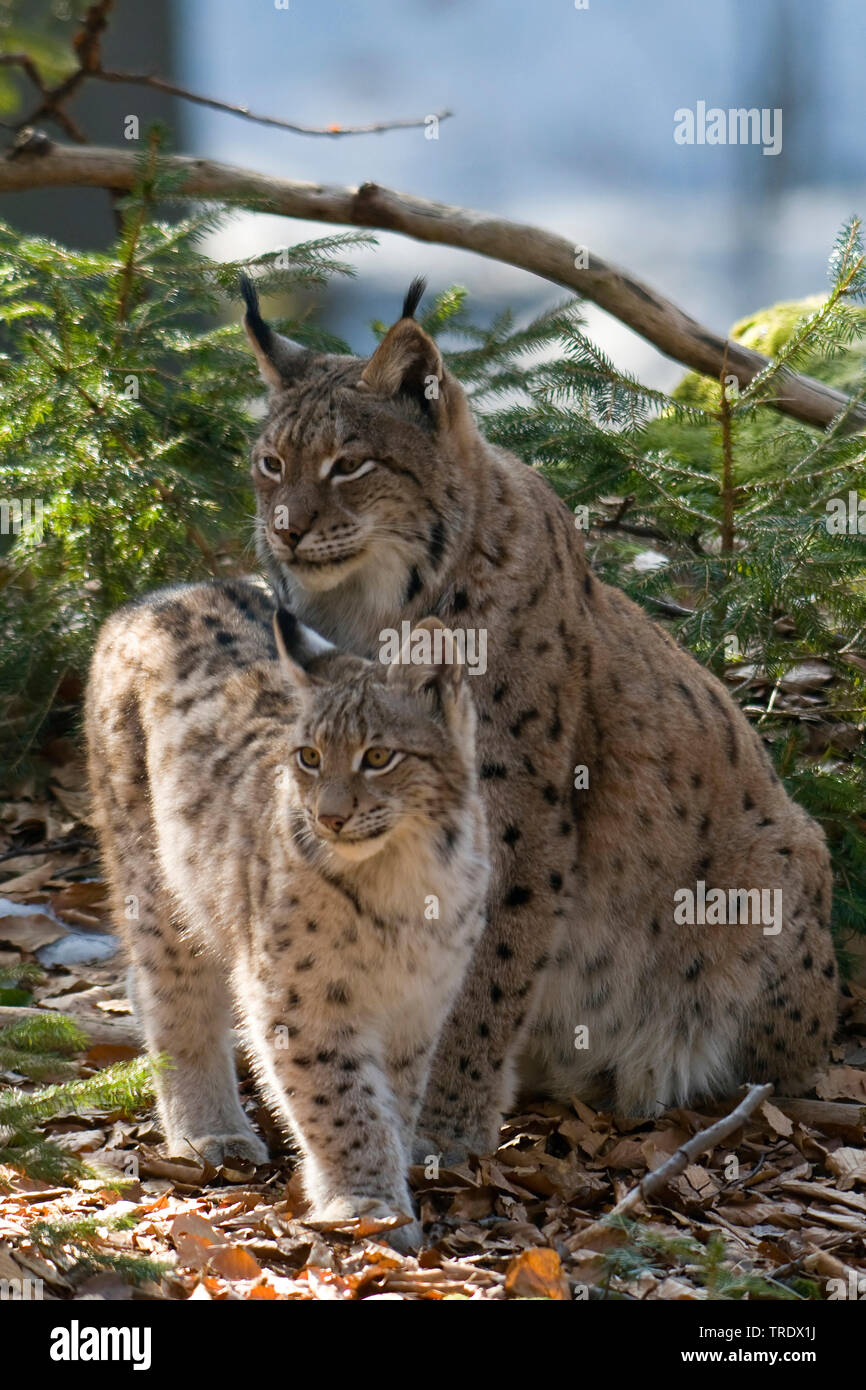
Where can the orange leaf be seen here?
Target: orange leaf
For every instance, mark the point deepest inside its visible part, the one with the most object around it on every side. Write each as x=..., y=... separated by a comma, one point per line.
x=194, y=1239
x=262, y=1291
x=537, y=1273
x=233, y=1262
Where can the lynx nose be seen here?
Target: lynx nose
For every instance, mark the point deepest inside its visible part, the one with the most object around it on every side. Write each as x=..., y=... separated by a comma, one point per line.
x=334, y=823
x=299, y=524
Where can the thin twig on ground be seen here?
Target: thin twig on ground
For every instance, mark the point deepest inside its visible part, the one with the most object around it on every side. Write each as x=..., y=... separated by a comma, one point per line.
x=677, y=1163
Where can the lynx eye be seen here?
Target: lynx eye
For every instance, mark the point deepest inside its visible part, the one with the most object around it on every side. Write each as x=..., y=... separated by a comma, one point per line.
x=309, y=758
x=351, y=468
x=378, y=759
x=271, y=467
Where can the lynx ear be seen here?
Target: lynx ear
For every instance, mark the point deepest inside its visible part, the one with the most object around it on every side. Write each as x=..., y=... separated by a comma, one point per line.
x=280, y=360
x=407, y=362
x=297, y=647
x=427, y=662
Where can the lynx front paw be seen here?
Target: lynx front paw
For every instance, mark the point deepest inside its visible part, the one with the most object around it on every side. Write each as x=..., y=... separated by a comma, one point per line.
x=216, y=1148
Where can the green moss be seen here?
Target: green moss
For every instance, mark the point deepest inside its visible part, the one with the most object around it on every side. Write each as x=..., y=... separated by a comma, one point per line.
x=762, y=441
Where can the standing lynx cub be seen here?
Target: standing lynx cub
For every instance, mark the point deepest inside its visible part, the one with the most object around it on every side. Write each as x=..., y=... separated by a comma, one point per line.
x=619, y=775
x=305, y=840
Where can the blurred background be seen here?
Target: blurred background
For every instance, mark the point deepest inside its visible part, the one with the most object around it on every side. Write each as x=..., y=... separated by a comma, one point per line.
x=563, y=117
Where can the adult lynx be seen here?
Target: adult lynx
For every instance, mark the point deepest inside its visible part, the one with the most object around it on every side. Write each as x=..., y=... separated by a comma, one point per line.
x=617, y=772
x=304, y=840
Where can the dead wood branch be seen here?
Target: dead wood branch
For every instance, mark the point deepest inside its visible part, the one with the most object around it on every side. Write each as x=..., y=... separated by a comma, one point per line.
x=677, y=1163
x=87, y=44
x=332, y=132
x=528, y=248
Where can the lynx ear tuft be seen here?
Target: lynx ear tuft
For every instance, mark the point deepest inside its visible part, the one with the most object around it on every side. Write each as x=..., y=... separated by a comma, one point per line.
x=297, y=647
x=280, y=360
x=407, y=362
x=414, y=295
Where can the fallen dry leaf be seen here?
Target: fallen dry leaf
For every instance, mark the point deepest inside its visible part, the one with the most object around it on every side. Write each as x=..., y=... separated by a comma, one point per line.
x=233, y=1262
x=841, y=1083
x=779, y=1123
x=30, y=931
x=194, y=1240
x=536, y=1274
x=849, y=1165
x=262, y=1290
x=30, y=881
x=79, y=895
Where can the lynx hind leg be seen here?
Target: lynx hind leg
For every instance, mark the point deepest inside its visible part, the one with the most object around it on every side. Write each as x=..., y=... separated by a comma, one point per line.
x=179, y=994
x=183, y=1006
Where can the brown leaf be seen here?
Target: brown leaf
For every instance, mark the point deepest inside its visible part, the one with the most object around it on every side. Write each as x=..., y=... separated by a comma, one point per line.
x=763, y=1214
x=807, y=675
x=262, y=1291
x=88, y=920
x=491, y=1174
x=676, y=1290
x=584, y=1113
x=472, y=1204
x=849, y=1165
x=178, y=1170
x=79, y=895
x=359, y=1227
x=779, y=1123
x=30, y=931
x=194, y=1239
x=565, y=1178
x=695, y=1186
x=106, y=1054
x=30, y=881
x=574, y=1130
x=536, y=1274
x=837, y=1083
x=628, y=1153
x=233, y=1262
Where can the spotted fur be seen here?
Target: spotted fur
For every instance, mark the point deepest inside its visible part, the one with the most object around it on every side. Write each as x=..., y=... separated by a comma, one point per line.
x=335, y=907
x=581, y=929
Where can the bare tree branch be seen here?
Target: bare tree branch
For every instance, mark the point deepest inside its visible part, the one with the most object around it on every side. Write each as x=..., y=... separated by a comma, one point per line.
x=87, y=44
x=47, y=106
x=27, y=65
x=529, y=248
x=159, y=84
